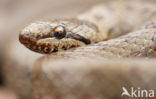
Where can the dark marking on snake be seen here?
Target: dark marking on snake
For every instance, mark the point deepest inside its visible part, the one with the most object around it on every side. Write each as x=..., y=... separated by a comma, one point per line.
x=151, y=25
x=90, y=24
x=110, y=32
x=78, y=37
x=128, y=38
x=133, y=54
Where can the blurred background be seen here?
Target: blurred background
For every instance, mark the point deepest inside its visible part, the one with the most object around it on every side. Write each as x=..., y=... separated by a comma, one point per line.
x=15, y=60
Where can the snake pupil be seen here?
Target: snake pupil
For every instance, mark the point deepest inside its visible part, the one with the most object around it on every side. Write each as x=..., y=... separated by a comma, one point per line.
x=59, y=32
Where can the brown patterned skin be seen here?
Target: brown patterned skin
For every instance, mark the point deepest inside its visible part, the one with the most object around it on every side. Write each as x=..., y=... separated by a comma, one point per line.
x=102, y=22
x=40, y=36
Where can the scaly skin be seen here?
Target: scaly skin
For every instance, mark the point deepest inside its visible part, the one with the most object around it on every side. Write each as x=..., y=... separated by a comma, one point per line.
x=92, y=78
x=102, y=22
x=137, y=44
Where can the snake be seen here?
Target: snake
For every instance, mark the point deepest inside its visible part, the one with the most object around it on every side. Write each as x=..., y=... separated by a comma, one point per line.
x=99, y=28
x=109, y=30
x=93, y=78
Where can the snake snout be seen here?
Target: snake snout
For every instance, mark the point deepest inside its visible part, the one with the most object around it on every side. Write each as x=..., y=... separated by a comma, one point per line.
x=24, y=37
x=34, y=32
x=26, y=40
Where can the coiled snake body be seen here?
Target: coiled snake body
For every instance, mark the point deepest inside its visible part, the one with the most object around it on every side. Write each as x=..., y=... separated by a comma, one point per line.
x=100, y=23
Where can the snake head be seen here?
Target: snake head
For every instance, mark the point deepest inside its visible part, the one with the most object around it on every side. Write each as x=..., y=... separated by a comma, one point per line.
x=54, y=35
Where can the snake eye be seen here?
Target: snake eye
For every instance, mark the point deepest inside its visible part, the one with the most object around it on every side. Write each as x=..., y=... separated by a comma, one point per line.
x=59, y=32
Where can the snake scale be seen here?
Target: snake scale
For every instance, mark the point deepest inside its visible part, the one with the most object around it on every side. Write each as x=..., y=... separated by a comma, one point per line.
x=102, y=22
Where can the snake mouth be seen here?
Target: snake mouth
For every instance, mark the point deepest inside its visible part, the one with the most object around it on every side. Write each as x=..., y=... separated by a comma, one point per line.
x=50, y=45
x=54, y=45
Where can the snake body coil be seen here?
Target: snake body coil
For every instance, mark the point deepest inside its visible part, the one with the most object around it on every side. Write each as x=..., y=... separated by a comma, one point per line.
x=100, y=23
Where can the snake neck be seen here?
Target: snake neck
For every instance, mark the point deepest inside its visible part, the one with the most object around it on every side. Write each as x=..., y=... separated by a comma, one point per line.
x=94, y=30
